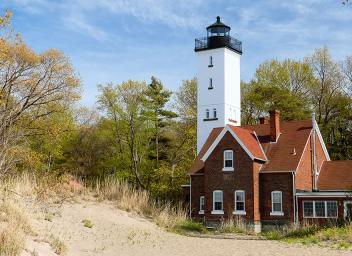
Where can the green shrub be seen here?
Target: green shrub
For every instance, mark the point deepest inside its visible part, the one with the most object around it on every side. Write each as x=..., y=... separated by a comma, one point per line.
x=192, y=226
x=87, y=223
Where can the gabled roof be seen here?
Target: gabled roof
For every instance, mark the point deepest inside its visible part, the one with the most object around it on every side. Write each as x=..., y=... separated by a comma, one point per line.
x=335, y=176
x=285, y=154
x=281, y=156
x=247, y=139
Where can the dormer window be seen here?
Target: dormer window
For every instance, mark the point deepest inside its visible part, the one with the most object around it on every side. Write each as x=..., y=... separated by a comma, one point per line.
x=228, y=160
x=210, y=84
x=210, y=61
x=207, y=114
x=214, y=113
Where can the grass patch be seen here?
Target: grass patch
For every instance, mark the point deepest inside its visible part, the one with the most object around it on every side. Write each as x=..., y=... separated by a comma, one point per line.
x=190, y=226
x=87, y=223
x=58, y=245
x=331, y=236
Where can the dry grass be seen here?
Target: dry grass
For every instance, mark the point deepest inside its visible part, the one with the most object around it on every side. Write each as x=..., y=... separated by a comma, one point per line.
x=14, y=225
x=130, y=199
x=19, y=193
x=58, y=245
x=236, y=224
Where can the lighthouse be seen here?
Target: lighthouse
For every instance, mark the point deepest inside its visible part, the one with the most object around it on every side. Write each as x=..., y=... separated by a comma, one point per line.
x=218, y=75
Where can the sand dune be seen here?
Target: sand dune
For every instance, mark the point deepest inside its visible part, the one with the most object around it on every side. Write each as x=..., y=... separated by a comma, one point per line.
x=117, y=232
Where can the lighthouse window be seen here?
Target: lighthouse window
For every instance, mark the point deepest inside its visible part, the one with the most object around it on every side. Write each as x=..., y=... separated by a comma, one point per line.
x=210, y=61
x=210, y=84
x=214, y=112
x=207, y=115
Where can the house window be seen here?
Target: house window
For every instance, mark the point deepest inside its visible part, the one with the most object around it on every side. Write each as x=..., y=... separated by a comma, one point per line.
x=228, y=160
x=308, y=209
x=201, y=205
x=210, y=61
x=217, y=202
x=331, y=209
x=210, y=84
x=276, y=203
x=320, y=209
x=239, y=202
x=207, y=114
x=214, y=112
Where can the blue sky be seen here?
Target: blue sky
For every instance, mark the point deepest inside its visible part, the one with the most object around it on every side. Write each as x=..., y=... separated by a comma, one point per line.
x=117, y=40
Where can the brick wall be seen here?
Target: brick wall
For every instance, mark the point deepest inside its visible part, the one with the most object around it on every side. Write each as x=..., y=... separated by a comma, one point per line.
x=227, y=181
x=196, y=193
x=276, y=181
x=304, y=170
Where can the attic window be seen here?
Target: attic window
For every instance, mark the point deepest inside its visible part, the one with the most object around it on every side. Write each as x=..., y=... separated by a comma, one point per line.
x=228, y=160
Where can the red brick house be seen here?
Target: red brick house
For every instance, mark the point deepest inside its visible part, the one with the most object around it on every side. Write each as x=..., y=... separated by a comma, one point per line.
x=270, y=173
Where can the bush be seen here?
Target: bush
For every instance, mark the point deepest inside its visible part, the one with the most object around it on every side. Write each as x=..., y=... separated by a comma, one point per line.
x=192, y=226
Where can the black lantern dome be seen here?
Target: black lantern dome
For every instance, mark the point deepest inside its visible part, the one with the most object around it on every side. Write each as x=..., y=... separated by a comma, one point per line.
x=218, y=29
x=218, y=36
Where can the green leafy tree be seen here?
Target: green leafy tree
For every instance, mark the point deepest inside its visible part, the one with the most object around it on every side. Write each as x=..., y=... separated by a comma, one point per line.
x=159, y=116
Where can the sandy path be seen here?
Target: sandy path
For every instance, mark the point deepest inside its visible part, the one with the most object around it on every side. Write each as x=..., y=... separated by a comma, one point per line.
x=116, y=232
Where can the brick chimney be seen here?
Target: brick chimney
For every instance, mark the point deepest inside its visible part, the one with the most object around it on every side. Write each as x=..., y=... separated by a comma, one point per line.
x=274, y=125
x=264, y=120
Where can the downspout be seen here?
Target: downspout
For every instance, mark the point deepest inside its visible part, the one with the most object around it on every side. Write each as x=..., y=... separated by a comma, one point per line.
x=314, y=153
x=294, y=197
x=190, y=196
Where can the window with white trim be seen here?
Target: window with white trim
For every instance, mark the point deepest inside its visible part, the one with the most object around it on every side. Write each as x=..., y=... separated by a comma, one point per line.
x=228, y=160
x=214, y=113
x=320, y=209
x=308, y=209
x=239, y=201
x=217, y=201
x=331, y=209
x=276, y=202
x=201, y=205
x=207, y=114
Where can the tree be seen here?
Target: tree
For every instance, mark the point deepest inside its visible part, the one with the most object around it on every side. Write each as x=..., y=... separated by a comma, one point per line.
x=328, y=87
x=277, y=85
x=32, y=86
x=156, y=99
x=126, y=101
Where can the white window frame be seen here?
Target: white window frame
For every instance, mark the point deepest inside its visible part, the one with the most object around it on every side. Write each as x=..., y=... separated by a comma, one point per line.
x=215, y=113
x=276, y=213
x=201, y=203
x=240, y=212
x=222, y=202
x=326, y=209
x=228, y=169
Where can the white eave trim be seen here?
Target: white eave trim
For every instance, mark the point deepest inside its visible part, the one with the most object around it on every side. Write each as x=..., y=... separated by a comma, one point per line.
x=255, y=134
x=322, y=141
x=323, y=194
x=218, y=139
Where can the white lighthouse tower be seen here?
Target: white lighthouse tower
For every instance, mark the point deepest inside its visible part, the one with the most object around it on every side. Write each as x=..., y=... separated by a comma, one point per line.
x=219, y=92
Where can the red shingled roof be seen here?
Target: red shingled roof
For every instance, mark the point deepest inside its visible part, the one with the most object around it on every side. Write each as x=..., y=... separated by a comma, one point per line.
x=250, y=140
x=293, y=137
x=336, y=175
